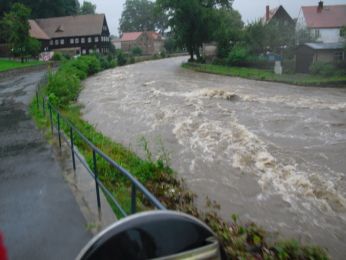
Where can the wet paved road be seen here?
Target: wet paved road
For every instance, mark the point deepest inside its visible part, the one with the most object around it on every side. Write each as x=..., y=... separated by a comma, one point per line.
x=39, y=216
x=273, y=153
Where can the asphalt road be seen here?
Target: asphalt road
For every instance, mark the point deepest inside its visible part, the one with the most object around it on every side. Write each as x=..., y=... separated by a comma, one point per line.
x=39, y=216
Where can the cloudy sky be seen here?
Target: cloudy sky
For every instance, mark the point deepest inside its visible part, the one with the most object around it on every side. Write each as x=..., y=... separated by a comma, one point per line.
x=250, y=10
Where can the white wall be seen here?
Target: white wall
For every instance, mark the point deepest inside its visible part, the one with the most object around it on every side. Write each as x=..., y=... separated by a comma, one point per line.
x=330, y=35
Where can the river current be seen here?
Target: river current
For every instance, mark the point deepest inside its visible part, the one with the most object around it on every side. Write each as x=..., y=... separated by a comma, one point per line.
x=272, y=153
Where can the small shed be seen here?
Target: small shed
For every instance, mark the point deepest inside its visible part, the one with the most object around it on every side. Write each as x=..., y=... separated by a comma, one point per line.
x=309, y=53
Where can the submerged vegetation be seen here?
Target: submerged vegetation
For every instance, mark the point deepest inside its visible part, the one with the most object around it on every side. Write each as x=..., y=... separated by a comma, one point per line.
x=241, y=241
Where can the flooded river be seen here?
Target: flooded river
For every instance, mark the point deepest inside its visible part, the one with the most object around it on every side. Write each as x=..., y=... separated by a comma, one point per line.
x=272, y=153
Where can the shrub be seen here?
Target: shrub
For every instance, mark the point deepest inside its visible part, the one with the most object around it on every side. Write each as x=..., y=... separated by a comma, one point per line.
x=62, y=88
x=121, y=58
x=163, y=54
x=57, y=56
x=238, y=55
x=136, y=51
x=323, y=69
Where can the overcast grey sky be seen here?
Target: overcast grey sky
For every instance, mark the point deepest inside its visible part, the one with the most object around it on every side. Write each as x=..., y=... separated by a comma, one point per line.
x=250, y=10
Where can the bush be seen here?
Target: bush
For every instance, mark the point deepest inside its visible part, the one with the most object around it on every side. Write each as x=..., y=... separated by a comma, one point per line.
x=121, y=58
x=62, y=88
x=238, y=55
x=57, y=56
x=136, y=51
x=323, y=69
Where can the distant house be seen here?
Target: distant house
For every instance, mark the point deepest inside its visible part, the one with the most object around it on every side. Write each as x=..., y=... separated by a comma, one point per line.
x=150, y=42
x=116, y=43
x=323, y=22
x=278, y=15
x=310, y=53
x=83, y=34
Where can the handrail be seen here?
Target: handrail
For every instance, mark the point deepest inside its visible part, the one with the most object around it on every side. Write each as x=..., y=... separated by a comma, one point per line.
x=135, y=184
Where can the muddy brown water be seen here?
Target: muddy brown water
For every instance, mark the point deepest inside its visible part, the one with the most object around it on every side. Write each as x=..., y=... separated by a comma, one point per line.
x=272, y=153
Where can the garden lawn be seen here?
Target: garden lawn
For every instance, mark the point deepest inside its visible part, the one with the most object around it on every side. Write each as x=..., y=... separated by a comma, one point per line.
x=10, y=64
x=267, y=75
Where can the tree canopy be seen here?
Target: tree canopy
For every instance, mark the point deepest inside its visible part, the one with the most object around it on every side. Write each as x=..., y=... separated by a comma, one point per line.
x=195, y=22
x=87, y=8
x=44, y=8
x=15, y=27
x=142, y=15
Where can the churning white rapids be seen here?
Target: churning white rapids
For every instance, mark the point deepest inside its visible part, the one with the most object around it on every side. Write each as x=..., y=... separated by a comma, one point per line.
x=272, y=153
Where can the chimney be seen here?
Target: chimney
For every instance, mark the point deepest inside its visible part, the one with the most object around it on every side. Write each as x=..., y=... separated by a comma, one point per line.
x=267, y=13
x=320, y=6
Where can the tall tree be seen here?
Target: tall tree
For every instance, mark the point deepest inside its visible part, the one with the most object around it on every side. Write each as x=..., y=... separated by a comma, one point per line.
x=87, y=8
x=193, y=21
x=141, y=15
x=16, y=26
x=44, y=8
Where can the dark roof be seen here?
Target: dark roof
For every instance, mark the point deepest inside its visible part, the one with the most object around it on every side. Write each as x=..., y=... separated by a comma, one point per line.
x=36, y=32
x=67, y=26
x=325, y=46
x=331, y=16
x=272, y=13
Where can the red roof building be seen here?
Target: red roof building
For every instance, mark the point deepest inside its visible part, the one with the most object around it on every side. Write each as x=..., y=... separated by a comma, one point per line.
x=149, y=42
x=323, y=22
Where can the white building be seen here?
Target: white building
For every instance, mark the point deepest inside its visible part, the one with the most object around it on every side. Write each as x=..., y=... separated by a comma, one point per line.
x=323, y=22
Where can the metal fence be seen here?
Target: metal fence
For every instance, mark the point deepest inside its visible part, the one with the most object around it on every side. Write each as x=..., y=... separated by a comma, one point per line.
x=56, y=119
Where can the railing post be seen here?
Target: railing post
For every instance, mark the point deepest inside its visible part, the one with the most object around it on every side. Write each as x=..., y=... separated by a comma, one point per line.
x=96, y=183
x=72, y=149
x=50, y=118
x=59, y=133
x=37, y=100
x=44, y=106
x=133, y=199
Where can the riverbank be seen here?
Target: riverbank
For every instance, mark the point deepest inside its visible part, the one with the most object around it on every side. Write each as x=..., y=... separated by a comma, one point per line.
x=239, y=240
x=266, y=75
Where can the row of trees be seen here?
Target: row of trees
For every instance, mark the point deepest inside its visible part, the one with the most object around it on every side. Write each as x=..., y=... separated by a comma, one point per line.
x=194, y=22
x=49, y=8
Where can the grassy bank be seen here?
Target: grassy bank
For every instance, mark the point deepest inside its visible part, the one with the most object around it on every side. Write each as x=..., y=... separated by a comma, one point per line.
x=6, y=65
x=244, y=241
x=266, y=75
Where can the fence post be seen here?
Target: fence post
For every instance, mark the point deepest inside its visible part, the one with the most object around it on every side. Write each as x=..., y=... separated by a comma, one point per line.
x=72, y=149
x=37, y=101
x=59, y=133
x=133, y=199
x=50, y=118
x=96, y=183
x=44, y=106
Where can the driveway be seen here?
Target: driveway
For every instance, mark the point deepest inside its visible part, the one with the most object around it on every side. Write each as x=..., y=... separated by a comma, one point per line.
x=39, y=216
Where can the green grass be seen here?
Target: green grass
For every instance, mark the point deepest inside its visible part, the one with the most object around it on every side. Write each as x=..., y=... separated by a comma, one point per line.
x=266, y=75
x=6, y=65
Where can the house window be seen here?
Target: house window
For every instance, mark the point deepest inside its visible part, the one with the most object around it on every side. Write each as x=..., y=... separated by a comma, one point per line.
x=89, y=39
x=56, y=42
x=71, y=41
x=339, y=56
x=51, y=42
x=317, y=33
x=96, y=39
x=98, y=50
x=82, y=40
x=91, y=51
x=76, y=40
x=62, y=41
x=84, y=51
